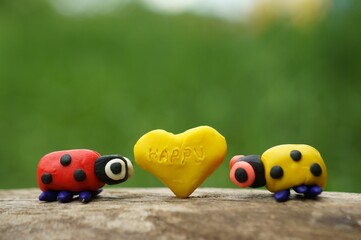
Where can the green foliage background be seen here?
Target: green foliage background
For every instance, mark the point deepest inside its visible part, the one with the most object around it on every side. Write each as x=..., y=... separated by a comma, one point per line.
x=101, y=82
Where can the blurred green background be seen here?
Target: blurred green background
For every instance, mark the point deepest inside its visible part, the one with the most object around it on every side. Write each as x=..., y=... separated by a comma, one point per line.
x=101, y=81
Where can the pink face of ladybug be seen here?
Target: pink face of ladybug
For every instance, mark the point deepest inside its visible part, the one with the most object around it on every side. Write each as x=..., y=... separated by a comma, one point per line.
x=247, y=171
x=113, y=169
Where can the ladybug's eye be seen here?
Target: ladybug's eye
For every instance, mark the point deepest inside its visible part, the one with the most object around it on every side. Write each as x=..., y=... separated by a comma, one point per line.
x=113, y=169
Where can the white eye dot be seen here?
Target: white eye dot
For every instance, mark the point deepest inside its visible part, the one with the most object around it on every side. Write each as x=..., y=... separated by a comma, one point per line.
x=116, y=169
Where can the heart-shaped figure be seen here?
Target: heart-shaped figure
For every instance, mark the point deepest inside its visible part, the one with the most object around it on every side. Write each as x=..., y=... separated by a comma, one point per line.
x=181, y=161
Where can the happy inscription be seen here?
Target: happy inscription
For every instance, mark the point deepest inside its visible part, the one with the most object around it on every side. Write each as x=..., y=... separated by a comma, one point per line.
x=177, y=155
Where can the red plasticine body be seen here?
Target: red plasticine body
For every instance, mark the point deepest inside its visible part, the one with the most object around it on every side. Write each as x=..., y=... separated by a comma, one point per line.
x=63, y=174
x=67, y=177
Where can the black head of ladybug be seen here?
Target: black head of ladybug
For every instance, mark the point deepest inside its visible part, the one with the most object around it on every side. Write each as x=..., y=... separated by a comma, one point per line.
x=258, y=168
x=113, y=169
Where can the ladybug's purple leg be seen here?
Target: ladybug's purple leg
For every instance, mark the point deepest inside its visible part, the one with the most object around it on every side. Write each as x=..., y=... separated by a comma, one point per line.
x=282, y=196
x=48, y=196
x=97, y=192
x=65, y=196
x=85, y=196
x=313, y=191
x=300, y=189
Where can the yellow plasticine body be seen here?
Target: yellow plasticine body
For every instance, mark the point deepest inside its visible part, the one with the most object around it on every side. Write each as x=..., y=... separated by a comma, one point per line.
x=281, y=168
x=295, y=173
x=181, y=161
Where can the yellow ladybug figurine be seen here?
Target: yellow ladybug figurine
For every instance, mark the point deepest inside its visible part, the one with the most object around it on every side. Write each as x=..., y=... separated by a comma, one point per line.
x=281, y=168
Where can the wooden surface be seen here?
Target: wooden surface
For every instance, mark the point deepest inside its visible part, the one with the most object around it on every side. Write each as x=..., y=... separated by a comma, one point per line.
x=154, y=213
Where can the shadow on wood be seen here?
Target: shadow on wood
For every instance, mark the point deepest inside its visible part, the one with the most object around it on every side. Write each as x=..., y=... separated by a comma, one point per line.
x=154, y=213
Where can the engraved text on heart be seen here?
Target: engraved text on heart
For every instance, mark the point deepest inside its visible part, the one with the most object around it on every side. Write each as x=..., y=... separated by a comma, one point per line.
x=177, y=155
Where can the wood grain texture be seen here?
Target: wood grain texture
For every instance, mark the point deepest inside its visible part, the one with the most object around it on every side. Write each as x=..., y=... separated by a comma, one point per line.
x=154, y=213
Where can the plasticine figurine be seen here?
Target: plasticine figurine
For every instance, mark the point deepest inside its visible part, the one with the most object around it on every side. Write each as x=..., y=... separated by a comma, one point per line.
x=63, y=174
x=280, y=168
x=181, y=161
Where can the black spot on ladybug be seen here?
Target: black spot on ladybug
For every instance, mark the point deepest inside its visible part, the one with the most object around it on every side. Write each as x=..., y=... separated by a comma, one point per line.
x=241, y=175
x=296, y=155
x=46, y=178
x=316, y=169
x=116, y=168
x=65, y=160
x=79, y=175
x=276, y=172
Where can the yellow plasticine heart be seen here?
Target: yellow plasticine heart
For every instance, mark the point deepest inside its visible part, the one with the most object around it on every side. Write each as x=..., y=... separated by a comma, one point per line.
x=181, y=161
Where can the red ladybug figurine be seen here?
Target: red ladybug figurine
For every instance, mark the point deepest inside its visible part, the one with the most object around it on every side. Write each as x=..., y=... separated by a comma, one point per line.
x=63, y=174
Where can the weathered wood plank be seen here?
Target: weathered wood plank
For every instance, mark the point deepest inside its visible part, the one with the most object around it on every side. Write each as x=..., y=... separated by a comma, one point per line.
x=154, y=213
